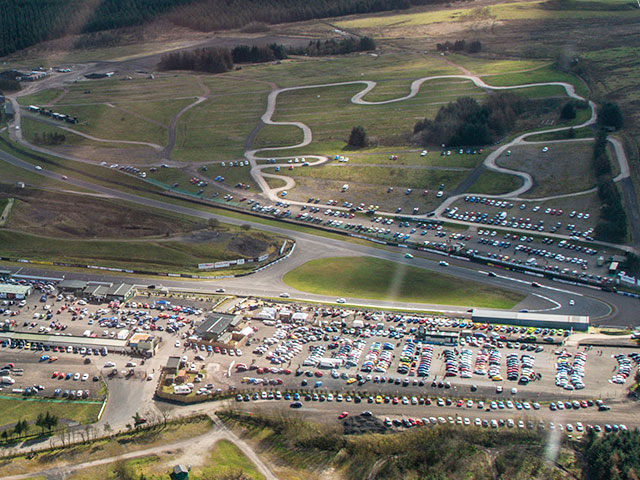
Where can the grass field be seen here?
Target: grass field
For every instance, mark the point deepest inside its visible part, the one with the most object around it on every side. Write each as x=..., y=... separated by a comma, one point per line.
x=275, y=182
x=331, y=115
x=544, y=74
x=534, y=10
x=31, y=128
x=494, y=183
x=362, y=277
x=84, y=171
x=584, y=132
x=395, y=176
x=488, y=66
x=224, y=460
x=41, y=98
x=139, y=109
x=217, y=128
x=64, y=215
x=565, y=168
x=321, y=70
x=106, y=448
x=170, y=255
x=27, y=409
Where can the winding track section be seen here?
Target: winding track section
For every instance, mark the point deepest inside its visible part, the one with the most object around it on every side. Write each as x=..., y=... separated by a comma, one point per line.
x=416, y=85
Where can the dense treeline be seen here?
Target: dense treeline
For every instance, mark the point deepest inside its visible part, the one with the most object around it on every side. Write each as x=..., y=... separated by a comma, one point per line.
x=612, y=225
x=467, y=122
x=460, y=46
x=220, y=60
x=254, y=54
x=612, y=457
x=207, y=15
x=610, y=115
x=26, y=22
x=336, y=47
x=212, y=60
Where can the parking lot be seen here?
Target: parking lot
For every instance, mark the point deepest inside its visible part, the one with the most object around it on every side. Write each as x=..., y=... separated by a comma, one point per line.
x=324, y=358
x=383, y=357
x=64, y=367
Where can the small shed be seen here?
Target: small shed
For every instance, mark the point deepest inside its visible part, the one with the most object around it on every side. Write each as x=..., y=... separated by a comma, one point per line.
x=180, y=472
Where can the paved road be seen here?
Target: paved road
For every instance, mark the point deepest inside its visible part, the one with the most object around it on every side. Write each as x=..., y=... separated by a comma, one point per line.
x=311, y=246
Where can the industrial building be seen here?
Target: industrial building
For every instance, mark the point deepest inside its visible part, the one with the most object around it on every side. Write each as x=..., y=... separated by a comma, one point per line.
x=537, y=320
x=8, y=110
x=73, y=287
x=14, y=292
x=112, y=344
x=105, y=293
x=217, y=327
x=143, y=344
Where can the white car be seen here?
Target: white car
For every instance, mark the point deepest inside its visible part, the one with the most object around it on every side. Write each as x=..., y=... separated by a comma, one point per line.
x=442, y=263
x=85, y=377
x=341, y=300
x=38, y=167
x=284, y=295
x=177, y=344
x=572, y=302
x=545, y=149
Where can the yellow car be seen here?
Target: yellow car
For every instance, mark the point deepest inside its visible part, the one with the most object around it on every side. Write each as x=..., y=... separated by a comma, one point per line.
x=351, y=380
x=378, y=399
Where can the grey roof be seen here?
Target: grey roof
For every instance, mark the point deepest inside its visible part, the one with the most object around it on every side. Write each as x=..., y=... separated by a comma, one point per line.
x=173, y=363
x=215, y=324
x=180, y=469
x=72, y=284
x=65, y=340
x=120, y=290
x=15, y=289
x=96, y=290
x=481, y=314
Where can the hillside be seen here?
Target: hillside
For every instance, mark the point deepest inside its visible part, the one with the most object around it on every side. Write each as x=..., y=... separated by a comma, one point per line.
x=27, y=22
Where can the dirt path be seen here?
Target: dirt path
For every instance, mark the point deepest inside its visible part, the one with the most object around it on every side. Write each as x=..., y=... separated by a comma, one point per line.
x=90, y=137
x=166, y=152
x=62, y=94
x=202, y=444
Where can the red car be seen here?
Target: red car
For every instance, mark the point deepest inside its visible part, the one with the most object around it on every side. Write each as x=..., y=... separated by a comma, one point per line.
x=343, y=415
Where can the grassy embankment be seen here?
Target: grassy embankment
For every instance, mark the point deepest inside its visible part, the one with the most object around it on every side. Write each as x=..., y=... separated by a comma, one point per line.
x=300, y=449
x=224, y=460
x=28, y=409
x=116, y=444
x=372, y=278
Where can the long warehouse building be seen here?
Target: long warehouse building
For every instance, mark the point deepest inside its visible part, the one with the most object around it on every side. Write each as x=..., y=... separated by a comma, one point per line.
x=525, y=319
